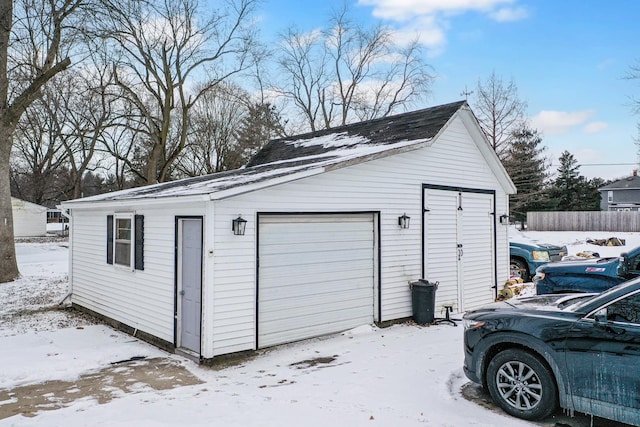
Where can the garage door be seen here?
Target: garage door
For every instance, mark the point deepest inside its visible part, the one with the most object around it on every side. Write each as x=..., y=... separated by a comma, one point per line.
x=315, y=275
x=459, y=247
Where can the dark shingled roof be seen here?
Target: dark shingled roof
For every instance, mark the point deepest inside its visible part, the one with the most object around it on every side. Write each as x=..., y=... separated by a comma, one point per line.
x=308, y=152
x=419, y=124
x=629, y=183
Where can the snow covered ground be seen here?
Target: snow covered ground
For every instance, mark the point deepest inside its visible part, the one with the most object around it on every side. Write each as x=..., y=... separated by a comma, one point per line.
x=404, y=375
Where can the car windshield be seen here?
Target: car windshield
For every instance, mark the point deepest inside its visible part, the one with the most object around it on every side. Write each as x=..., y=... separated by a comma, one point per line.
x=574, y=302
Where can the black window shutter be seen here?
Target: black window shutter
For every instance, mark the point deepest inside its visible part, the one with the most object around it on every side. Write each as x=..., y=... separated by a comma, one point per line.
x=139, y=245
x=109, y=239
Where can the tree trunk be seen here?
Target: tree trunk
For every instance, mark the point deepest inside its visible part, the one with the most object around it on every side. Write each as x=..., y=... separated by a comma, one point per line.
x=8, y=265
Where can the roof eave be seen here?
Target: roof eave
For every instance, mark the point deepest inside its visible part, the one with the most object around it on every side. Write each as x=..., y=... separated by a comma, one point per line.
x=114, y=203
x=471, y=122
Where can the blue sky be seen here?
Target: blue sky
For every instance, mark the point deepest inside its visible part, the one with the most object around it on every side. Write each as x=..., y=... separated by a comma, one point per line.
x=568, y=58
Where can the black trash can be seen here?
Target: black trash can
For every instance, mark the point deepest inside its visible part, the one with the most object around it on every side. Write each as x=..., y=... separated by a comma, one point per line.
x=423, y=301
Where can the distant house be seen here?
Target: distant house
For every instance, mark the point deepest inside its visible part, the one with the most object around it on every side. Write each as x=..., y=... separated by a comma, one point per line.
x=29, y=219
x=621, y=195
x=320, y=233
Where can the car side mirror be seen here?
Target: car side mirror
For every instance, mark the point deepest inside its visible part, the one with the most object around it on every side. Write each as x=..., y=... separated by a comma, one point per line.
x=600, y=316
x=624, y=265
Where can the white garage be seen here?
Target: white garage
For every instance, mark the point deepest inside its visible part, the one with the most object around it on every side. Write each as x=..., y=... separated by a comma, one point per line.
x=306, y=240
x=29, y=219
x=316, y=275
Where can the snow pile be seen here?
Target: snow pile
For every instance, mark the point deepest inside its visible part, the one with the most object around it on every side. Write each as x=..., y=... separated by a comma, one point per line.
x=576, y=241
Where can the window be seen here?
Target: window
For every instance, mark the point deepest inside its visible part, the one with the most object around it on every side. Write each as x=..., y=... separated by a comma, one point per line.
x=122, y=254
x=626, y=310
x=610, y=196
x=125, y=240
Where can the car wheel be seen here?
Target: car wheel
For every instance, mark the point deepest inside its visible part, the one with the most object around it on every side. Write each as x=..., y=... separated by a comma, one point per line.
x=519, y=269
x=522, y=384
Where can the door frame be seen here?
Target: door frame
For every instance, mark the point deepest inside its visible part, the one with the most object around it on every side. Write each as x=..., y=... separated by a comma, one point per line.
x=177, y=281
x=461, y=190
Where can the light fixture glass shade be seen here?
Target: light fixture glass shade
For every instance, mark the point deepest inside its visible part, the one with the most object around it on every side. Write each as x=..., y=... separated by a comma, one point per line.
x=403, y=221
x=238, y=226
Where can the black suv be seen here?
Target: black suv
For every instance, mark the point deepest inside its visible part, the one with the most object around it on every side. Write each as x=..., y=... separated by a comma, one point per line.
x=579, y=351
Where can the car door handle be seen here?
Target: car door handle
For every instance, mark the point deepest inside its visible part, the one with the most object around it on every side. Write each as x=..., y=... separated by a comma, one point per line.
x=615, y=331
x=182, y=293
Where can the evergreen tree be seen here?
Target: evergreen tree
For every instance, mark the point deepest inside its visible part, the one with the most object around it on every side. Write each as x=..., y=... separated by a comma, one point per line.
x=571, y=191
x=261, y=124
x=589, y=196
x=526, y=165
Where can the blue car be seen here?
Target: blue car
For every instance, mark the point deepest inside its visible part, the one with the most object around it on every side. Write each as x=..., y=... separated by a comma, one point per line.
x=580, y=352
x=525, y=258
x=589, y=275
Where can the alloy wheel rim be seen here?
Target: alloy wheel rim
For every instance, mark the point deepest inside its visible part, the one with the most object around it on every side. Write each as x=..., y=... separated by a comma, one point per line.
x=519, y=385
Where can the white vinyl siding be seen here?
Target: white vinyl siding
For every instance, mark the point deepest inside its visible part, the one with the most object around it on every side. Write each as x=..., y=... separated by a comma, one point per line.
x=387, y=187
x=391, y=186
x=142, y=299
x=29, y=219
x=316, y=275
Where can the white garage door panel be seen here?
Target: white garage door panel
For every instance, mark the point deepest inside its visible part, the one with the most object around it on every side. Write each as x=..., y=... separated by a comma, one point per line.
x=316, y=275
x=441, y=251
x=466, y=278
x=478, y=250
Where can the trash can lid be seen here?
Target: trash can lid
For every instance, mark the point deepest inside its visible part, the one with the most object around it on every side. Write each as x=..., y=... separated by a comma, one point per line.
x=423, y=282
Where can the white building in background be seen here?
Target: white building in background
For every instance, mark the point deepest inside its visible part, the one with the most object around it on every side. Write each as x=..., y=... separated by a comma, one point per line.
x=29, y=219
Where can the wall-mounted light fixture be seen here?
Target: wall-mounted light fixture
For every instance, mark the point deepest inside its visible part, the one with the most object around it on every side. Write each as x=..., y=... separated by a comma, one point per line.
x=403, y=221
x=238, y=226
x=504, y=219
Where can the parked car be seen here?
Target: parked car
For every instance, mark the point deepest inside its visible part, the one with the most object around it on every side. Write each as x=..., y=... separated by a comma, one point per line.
x=590, y=275
x=527, y=257
x=577, y=351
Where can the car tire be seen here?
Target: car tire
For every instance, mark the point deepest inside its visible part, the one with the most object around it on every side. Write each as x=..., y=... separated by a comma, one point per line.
x=519, y=268
x=522, y=385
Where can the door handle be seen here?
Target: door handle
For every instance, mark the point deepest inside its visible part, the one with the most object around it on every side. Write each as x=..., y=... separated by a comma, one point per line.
x=615, y=331
x=182, y=293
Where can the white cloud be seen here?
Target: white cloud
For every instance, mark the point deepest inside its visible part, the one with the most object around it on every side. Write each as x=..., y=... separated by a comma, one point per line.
x=595, y=127
x=427, y=30
x=429, y=19
x=400, y=10
x=507, y=14
x=606, y=64
x=557, y=122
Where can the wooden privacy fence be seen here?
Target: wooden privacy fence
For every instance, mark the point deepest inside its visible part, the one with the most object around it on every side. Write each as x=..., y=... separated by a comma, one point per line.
x=584, y=221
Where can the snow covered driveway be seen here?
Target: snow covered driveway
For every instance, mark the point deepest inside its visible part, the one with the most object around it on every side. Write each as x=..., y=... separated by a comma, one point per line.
x=404, y=375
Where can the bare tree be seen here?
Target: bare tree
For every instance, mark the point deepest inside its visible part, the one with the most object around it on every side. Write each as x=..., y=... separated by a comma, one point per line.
x=33, y=43
x=161, y=47
x=212, y=141
x=38, y=149
x=499, y=111
x=58, y=135
x=348, y=71
x=634, y=74
x=89, y=113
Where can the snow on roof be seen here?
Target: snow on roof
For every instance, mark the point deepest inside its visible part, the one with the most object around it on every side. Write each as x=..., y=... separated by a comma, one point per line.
x=306, y=154
x=226, y=180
